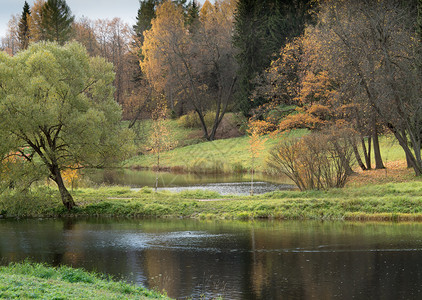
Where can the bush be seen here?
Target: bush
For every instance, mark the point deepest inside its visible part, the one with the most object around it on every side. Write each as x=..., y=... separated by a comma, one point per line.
x=191, y=120
x=316, y=161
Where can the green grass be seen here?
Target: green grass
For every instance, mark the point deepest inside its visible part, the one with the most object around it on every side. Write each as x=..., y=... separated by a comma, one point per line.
x=220, y=156
x=392, y=201
x=232, y=155
x=38, y=281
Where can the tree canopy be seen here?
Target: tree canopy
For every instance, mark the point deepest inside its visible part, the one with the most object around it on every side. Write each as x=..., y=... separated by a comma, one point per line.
x=57, y=109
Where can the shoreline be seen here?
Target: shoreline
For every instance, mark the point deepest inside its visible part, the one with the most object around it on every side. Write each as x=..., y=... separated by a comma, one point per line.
x=382, y=202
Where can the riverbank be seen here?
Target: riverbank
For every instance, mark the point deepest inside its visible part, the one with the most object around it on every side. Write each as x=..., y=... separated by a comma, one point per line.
x=388, y=201
x=34, y=281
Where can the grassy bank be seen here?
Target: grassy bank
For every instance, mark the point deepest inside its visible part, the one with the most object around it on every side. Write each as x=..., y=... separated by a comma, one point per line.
x=37, y=281
x=391, y=201
x=220, y=156
x=232, y=155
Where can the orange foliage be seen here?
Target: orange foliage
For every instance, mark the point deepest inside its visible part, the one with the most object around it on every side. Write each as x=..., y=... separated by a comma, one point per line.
x=301, y=120
x=71, y=175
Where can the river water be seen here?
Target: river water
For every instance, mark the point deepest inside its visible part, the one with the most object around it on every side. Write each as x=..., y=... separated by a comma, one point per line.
x=235, y=260
x=224, y=184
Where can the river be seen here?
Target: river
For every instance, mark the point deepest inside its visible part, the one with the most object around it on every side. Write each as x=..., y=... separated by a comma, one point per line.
x=235, y=260
x=224, y=184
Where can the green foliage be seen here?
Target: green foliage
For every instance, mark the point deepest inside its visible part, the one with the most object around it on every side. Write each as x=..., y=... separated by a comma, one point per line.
x=58, y=103
x=57, y=21
x=38, y=281
x=191, y=120
x=146, y=13
x=261, y=28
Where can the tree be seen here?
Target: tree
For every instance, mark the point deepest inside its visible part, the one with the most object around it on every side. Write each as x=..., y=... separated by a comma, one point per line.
x=35, y=21
x=146, y=13
x=24, y=34
x=198, y=66
x=57, y=102
x=161, y=137
x=10, y=43
x=57, y=21
x=301, y=90
x=374, y=48
x=83, y=33
x=262, y=27
x=192, y=13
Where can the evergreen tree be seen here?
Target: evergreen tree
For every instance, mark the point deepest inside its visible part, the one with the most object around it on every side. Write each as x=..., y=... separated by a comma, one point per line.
x=23, y=32
x=146, y=13
x=262, y=27
x=57, y=21
x=192, y=13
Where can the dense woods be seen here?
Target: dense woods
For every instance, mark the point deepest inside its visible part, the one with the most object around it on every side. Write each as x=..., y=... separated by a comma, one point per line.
x=349, y=71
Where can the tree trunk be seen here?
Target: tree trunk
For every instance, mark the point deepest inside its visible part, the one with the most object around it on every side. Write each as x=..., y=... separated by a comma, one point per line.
x=377, y=152
x=67, y=198
x=408, y=161
x=417, y=167
x=357, y=156
x=367, y=153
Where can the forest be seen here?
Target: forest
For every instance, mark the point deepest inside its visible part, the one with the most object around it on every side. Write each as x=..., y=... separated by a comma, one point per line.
x=74, y=92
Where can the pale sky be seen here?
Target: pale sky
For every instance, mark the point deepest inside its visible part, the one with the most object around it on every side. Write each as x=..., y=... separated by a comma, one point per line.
x=93, y=9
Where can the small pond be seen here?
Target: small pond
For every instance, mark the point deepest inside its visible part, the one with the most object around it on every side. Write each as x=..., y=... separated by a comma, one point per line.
x=235, y=260
x=237, y=184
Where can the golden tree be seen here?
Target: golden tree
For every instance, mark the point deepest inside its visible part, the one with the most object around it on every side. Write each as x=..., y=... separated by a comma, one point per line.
x=197, y=65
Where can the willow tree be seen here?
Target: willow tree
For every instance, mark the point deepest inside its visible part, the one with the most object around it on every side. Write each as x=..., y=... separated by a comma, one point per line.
x=57, y=109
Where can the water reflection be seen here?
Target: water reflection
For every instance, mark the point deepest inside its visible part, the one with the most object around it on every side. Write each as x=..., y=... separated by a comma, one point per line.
x=223, y=184
x=262, y=260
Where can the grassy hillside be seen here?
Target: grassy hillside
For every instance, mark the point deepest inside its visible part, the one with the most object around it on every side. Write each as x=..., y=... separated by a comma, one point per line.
x=225, y=155
x=232, y=155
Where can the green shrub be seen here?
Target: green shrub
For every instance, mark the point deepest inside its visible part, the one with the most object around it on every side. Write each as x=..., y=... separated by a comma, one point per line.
x=191, y=120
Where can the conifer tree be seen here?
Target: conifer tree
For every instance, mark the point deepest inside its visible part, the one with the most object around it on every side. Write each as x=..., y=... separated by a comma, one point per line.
x=146, y=13
x=262, y=27
x=57, y=21
x=192, y=13
x=24, y=27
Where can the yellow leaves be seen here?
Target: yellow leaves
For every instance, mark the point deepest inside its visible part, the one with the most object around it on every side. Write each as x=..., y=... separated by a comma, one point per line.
x=70, y=175
x=161, y=138
x=256, y=129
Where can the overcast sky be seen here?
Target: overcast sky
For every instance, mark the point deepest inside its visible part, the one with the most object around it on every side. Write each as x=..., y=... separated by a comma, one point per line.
x=93, y=9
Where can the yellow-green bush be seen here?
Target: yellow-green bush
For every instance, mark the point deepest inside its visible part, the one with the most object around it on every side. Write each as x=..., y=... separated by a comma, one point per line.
x=191, y=120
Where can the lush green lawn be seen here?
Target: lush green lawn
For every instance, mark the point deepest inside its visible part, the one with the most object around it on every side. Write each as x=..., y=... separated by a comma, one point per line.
x=385, y=201
x=227, y=155
x=37, y=281
x=232, y=155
